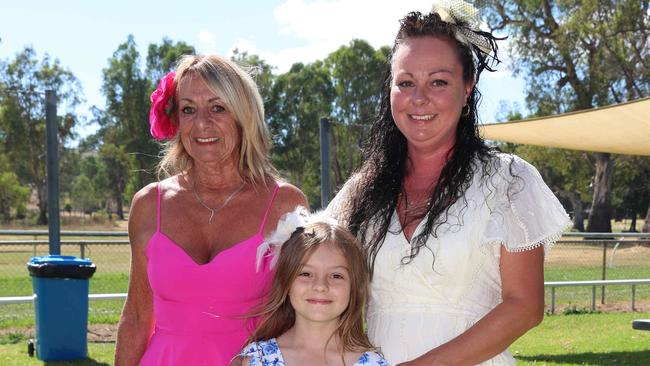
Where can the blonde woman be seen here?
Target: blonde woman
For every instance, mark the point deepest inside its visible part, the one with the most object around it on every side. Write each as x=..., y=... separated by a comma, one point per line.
x=194, y=235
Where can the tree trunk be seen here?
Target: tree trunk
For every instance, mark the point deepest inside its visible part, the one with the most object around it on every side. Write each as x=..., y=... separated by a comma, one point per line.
x=646, y=224
x=601, y=208
x=578, y=211
x=120, y=207
x=41, y=191
x=5, y=211
x=633, y=223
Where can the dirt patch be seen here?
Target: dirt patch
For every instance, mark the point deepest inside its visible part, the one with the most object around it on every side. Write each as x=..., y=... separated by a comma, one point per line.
x=614, y=307
x=97, y=333
x=582, y=254
x=102, y=333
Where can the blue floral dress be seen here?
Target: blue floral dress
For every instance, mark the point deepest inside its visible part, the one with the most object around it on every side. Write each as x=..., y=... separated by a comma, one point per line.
x=267, y=353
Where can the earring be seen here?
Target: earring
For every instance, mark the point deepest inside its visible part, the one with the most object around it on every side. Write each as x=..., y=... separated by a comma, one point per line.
x=464, y=113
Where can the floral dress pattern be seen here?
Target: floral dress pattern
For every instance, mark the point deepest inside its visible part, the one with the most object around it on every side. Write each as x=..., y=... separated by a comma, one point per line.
x=267, y=353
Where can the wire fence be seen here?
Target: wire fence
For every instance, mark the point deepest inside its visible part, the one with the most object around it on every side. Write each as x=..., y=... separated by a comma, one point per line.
x=573, y=258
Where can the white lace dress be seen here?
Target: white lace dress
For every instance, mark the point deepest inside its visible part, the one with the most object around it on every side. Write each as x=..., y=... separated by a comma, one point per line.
x=416, y=307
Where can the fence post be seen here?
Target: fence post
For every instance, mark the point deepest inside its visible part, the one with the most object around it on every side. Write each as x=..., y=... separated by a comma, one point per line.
x=552, y=299
x=324, y=162
x=82, y=250
x=604, y=274
x=593, y=298
x=52, y=142
x=633, y=296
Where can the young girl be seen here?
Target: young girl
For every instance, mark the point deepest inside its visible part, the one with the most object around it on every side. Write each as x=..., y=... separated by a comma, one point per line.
x=314, y=314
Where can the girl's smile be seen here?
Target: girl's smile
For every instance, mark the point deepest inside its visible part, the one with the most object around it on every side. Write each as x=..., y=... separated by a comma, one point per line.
x=321, y=292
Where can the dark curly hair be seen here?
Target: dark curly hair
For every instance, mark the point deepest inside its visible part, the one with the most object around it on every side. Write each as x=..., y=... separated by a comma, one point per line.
x=379, y=180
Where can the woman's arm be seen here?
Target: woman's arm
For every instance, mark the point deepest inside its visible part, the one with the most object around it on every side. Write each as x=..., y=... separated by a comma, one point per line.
x=136, y=323
x=522, y=279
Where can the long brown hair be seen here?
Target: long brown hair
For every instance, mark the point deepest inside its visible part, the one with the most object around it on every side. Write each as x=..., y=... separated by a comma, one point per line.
x=385, y=153
x=278, y=315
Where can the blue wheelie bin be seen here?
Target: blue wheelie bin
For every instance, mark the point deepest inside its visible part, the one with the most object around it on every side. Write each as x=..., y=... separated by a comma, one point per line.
x=60, y=286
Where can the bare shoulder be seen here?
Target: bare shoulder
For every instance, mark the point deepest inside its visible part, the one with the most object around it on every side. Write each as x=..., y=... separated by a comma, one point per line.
x=289, y=197
x=142, y=216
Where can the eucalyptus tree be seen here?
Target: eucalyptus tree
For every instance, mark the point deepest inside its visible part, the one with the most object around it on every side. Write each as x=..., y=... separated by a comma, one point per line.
x=356, y=71
x=123, y=141
x=296, y=102
x=23, y=82
x=578, y=55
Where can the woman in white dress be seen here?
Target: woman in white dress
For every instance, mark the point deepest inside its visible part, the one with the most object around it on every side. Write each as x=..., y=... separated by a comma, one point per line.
x=455, y=232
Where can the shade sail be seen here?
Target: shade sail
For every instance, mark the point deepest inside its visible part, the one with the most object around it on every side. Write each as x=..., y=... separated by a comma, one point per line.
x=620, y=129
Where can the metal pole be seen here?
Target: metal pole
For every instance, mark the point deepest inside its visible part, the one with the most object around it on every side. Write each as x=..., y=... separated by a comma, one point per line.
x=553, y=300
x=324, y=162
x=604, y=274
x=52, y=141
x=593, y=298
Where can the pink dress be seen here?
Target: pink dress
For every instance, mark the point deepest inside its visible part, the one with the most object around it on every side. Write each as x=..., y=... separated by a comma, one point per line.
x=199, y=309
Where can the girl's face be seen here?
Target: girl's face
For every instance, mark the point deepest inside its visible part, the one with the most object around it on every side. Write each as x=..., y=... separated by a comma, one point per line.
x=208, y=130
x=428, y=91
x=321, y=292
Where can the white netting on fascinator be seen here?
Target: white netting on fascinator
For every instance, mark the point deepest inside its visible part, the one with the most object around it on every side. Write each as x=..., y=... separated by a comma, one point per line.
x=469, y=27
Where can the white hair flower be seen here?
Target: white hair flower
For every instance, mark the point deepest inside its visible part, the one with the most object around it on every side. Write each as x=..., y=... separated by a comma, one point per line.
x=300, y=217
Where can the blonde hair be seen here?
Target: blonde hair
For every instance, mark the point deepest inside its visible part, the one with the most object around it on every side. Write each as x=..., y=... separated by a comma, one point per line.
x=278, y=315
x=238, y=91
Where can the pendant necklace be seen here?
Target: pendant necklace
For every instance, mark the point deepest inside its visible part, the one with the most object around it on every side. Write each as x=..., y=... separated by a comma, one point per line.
x=214, y=210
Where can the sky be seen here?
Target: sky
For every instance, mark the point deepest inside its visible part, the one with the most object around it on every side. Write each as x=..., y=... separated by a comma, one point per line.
x=83, y=35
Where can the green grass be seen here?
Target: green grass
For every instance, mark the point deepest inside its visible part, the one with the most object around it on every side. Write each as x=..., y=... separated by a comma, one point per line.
x=586, y=339
x=16, y=355
x=578, y=272
x=567, y=262
x=22, y=315
x=13, y=351
x=100, y=283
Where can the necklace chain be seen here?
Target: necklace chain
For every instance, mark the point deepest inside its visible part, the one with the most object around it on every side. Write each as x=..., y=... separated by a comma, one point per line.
x=214, y=210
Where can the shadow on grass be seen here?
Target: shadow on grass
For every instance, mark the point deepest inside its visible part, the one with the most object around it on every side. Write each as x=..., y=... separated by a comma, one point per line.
x=631, y=358
x=85, y=362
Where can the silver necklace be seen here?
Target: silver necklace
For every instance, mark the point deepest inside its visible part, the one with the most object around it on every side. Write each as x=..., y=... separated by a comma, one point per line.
x=214, y=210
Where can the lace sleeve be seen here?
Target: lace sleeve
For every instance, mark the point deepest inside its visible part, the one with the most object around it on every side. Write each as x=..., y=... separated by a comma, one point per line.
x=527, y=213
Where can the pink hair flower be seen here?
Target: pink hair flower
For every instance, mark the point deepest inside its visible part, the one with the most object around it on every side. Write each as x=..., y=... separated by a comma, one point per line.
x=162, y=104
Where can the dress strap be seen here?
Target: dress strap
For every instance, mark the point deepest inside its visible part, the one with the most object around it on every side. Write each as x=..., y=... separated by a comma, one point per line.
x=268, y=209
x=158, y=208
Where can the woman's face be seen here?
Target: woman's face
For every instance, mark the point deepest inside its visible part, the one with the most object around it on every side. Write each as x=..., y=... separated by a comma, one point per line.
x=208, y=130
x=428, y=91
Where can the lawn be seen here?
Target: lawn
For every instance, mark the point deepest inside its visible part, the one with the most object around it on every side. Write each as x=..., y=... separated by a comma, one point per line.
x=565, y=262
x=585, y=339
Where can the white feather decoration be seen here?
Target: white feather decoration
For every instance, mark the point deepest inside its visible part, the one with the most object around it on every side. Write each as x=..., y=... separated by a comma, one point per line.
x=286, y=226
x=300, y=217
